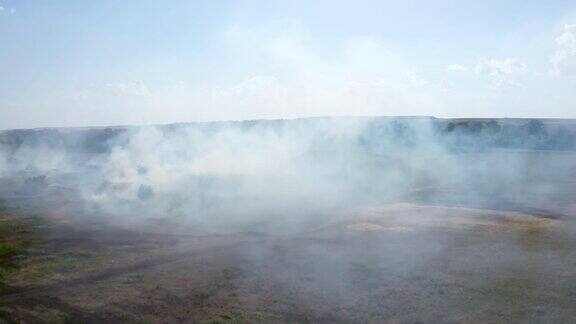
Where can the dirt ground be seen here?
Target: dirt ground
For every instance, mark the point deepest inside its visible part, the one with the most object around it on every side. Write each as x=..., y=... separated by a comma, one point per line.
x=397, y=263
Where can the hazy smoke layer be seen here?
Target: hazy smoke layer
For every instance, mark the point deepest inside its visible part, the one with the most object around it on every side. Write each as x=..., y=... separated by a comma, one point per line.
x=288, y=174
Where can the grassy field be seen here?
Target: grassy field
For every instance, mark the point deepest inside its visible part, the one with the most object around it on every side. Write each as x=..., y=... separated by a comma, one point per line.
x=400, y=263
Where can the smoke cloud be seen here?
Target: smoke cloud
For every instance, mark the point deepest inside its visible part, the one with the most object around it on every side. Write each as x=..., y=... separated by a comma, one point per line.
x=281, y=175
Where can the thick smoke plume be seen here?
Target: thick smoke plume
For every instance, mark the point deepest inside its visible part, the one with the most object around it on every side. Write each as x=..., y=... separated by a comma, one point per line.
x=282, y=174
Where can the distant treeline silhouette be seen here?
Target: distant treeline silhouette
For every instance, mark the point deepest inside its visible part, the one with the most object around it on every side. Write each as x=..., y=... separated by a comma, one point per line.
x=457, y=134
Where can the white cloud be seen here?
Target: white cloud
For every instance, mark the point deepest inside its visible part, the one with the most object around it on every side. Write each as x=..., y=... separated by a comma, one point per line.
x=112, y=92
x=132, y=88
x=501, y=72
x=564, y=60
x=456, y=68
x=7, y=10
x=414, y=79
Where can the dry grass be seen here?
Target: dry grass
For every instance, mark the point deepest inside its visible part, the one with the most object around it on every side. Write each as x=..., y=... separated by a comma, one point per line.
x=453, y=264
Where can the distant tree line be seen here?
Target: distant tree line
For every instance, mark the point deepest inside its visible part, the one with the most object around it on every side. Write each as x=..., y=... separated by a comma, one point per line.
x=531, y=134
x=459, y=135
x=95, y=140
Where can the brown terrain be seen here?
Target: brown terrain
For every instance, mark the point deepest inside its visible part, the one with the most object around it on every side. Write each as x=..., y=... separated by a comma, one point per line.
x=402, y=263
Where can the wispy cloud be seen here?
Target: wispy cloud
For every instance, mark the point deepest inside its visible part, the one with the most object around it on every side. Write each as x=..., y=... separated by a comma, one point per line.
x=6, y=10
x=134, y=88
x=502, y=72
x=456, y=68
x=564, y=59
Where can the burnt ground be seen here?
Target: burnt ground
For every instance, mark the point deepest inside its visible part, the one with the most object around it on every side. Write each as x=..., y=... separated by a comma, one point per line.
x=399, y=263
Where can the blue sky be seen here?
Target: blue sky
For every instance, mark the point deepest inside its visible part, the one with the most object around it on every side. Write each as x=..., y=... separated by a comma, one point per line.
x=81, y=63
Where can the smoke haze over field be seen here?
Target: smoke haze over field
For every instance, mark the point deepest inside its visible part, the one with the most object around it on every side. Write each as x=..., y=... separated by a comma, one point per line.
x=287, y=161
x=285, y=173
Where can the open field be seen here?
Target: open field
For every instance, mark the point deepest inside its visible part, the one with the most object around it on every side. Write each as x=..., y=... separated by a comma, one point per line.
x=398, y=263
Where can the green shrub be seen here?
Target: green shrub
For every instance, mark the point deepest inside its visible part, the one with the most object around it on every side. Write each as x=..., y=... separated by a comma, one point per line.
x=3, y=274
x=8, y=249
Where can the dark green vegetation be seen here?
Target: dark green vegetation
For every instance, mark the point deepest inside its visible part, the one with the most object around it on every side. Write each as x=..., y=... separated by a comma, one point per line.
x=9, y=248
x=526, y=134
